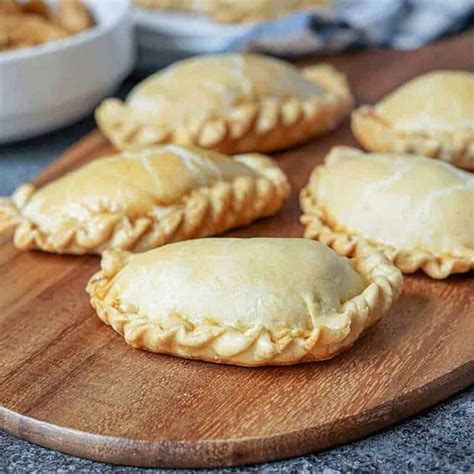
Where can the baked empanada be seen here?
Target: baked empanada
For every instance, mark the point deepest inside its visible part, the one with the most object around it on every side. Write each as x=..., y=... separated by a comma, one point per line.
x=73, y=16
x=419, y=211
x=431, y=115
x=232, y=11
x=177, y=5
x=9, y=7
x=21, y=30
x=248, y=302
x=33, y=22
x=198, y=6
x=141, y=200
x=251, y=11
x=232, y=103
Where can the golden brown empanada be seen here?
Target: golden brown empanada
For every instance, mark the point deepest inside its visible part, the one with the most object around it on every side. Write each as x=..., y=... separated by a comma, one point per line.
x=419, y=211
x=9, y=7
x=36, y=7
x=24, y=30
x=178, y=5
x=139, y=201
x=251, y=11
x=254, y=302
x=231, y=103
x=236, y=11
x=32, y=22
x=73, y=16
x=431, y=115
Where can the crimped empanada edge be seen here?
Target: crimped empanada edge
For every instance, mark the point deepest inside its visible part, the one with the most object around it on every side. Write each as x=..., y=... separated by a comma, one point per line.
x=257, y=345
x=375, y=134
x=318, y=227
x=10, y=209
x=268, y=125
x=206, y=211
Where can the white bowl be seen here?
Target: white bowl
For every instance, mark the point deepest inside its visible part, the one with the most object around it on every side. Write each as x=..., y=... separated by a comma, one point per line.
x=51, y=85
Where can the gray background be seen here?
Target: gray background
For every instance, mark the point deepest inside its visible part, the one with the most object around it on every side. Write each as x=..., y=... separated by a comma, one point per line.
x=440, y=440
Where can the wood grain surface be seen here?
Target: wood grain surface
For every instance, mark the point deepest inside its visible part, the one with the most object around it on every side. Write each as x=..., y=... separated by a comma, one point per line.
x=69, y=382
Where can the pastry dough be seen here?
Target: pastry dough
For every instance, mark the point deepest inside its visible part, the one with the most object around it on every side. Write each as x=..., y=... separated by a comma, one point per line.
x=431, y=115
x=232, y=11
x=419, y=211
x=231, y=103
x=141, y=200
x=251, y=11
x=255, y=302
x=32, y=22
x=198, y=6
x=20, y=31
x=73, y=16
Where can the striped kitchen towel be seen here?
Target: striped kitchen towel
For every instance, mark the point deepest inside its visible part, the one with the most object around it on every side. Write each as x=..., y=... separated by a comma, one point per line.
x=400, y=24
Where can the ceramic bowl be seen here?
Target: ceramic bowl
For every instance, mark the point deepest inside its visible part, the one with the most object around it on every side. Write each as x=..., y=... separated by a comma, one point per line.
x=48, y=86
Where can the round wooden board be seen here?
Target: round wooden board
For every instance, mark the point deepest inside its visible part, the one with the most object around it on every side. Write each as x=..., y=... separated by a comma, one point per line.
x=70, y=383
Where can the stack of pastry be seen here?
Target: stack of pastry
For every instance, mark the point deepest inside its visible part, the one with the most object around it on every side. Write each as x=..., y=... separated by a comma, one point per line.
x=259, y=301
x=30, y=23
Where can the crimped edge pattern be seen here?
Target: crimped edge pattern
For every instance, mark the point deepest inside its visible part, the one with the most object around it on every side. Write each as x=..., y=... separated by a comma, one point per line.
x=375, y=134
x=256, y=345
x=267, y=125
x=205, y=211
x=320, y=226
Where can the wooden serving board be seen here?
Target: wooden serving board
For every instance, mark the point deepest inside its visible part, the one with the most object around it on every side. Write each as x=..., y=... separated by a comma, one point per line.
x=70, y=383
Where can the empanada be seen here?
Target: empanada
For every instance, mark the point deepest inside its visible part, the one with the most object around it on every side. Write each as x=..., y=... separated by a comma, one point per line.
x=73, y=16
x=249, y=302
x=9, y=7
x=431, y=115
x=177, y=5
x=232, y=103
x=251, y=11
x=32, y=22
x=141, y=200
x=419, y=211
x=21, y=30
x=236, y=11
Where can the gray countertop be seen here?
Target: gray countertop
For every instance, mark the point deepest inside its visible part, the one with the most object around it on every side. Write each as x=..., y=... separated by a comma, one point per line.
x=439, y=440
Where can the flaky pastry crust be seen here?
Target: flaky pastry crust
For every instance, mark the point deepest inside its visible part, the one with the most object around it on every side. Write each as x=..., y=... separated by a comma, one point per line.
x=132, y=209
x=319, y=331
x=227, y=103
x=322, y=224
x=382, y=128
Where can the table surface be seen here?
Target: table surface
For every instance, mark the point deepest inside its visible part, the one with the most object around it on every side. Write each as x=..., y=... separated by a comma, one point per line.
x=438, y=440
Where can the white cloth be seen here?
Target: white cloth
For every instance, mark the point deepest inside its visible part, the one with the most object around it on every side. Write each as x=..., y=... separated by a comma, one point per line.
x=400, y=24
